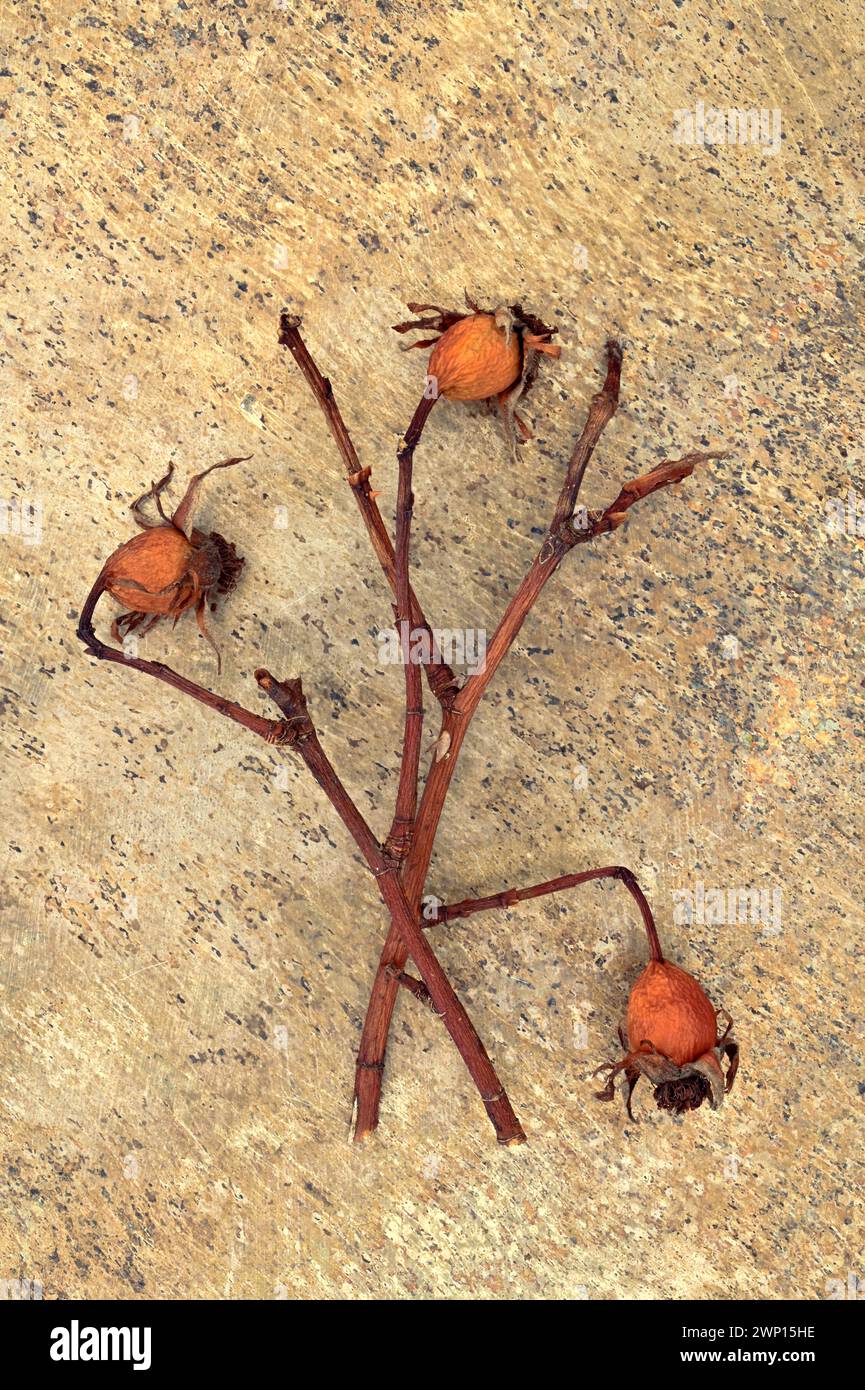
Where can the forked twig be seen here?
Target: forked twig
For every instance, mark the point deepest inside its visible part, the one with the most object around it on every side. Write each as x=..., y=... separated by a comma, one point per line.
x=400, y=865
x=442, y=681
x=288, y=695
x=562, y=536
x=296, y=730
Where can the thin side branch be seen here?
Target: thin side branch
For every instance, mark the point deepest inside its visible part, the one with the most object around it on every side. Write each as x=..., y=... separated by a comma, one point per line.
x=271, y=730
x=664, y=474
x=399, y=839
x=415, y=987
x=451, y=911
x=442, y=681
x=601, y=411
x=289, y=697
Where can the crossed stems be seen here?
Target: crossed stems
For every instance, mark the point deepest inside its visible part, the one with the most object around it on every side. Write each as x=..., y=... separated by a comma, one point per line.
x=564, y=533
x=509, y=897
x=400, y=865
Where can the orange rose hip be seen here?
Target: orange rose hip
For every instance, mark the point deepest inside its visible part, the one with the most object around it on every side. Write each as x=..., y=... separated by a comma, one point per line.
x=476, y=358
x=670, y=1009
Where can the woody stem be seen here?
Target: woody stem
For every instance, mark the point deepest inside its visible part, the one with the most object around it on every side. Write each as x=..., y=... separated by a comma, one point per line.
x=564, y=534
x=442, y=681
x=399, y=839
x=450, y=911
x=269, y=729
x=296, y=729
x=601, y=411
x=440, y=677
x=289, y=697
x=455, y=722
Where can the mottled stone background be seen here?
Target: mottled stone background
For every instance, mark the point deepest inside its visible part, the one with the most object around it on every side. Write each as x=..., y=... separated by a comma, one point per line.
x=188, y=938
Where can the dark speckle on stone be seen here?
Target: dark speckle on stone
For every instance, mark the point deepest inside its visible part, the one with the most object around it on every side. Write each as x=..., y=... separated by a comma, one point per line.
x=139, y=40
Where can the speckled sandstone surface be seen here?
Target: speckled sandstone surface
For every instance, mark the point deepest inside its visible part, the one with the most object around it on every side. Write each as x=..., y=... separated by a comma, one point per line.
x=187, y=936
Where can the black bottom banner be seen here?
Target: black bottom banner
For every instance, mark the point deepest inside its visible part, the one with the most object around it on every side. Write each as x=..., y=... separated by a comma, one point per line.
x=83, y=1340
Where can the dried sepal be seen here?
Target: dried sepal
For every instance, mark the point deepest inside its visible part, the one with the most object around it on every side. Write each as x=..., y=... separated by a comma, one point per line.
x=154, y=492
x=438, y=319
x=181, y=516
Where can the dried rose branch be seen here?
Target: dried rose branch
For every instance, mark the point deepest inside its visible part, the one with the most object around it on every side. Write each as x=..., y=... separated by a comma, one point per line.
x=562, y=536
x=296, y=730
x=671, y=1033
x=289, y=697
x=268, y=729
x=489, y=348
x=394, y=562
x=140, y=571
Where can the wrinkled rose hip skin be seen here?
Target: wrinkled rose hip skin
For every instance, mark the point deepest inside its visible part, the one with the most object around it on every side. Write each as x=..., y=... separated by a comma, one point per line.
x=477, y=358
x=164, y=571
